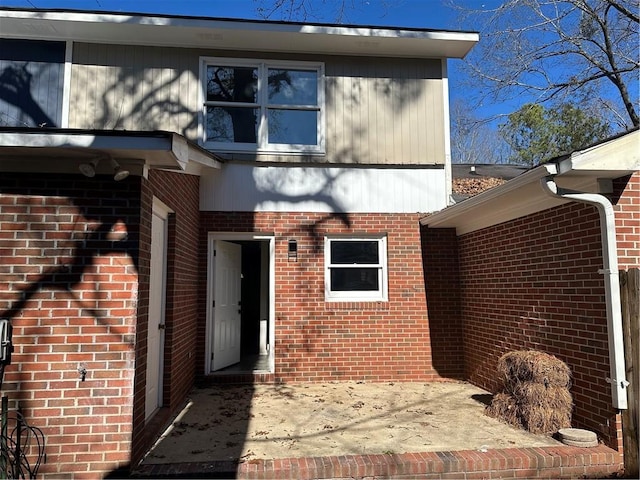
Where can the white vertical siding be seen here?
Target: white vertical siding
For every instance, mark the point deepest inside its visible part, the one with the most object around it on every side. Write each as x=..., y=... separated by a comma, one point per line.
x=240, y=187
x=384, y=111
x=135, y=88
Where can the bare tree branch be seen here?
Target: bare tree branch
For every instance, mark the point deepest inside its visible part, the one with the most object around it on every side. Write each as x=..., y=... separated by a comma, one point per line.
x=319, y=10
x=557, y=50
x=624, y=11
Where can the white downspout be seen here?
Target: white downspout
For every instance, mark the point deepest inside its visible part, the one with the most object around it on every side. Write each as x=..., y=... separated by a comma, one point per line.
x=612, y=287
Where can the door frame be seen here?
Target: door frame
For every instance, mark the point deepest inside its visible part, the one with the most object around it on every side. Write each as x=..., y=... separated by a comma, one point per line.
x=231, y=236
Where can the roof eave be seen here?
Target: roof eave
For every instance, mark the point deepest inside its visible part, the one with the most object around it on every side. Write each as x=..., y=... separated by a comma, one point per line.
x=228, y=34
x=38, y=150
x=588, y=170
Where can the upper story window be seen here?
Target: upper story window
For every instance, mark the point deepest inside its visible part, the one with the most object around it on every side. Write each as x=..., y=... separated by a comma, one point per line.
x=356, y=268
x=253, y=105
x=31, y=83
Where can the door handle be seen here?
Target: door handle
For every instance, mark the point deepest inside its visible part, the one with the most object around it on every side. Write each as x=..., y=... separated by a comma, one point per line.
x=161, y=326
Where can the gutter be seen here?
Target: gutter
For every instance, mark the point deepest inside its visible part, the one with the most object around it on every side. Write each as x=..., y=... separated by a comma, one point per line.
x=617, y=370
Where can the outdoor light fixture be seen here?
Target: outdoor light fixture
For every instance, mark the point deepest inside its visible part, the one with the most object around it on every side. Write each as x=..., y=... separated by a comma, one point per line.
x=119, y=173
x=293, y=251
x=89, y=169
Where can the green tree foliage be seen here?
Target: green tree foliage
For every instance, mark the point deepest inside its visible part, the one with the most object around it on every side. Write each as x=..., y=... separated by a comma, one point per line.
x=537, y=134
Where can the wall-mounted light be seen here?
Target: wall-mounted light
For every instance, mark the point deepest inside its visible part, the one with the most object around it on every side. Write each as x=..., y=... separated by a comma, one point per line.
x=89, y=169
x=118, y=172
x=292, y=251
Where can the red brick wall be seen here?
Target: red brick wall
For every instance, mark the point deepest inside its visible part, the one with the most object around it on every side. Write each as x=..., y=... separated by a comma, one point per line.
x=533, y=283
x=627, y=208
x=68, y=282
x=440, y=258
x=181, y=194
x=319, y=341
x=77, y=296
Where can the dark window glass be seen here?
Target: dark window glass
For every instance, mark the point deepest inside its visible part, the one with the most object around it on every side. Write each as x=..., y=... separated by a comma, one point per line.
x=354, y=252
x=232, y=84
x=354, y=279
x=232, y=124
x=32, y=50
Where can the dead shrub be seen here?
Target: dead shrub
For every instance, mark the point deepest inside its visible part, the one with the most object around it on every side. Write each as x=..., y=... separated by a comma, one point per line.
x=533, y=366
x=529, y=393
x=504, y=407
x=539, y=419
x=536, y=393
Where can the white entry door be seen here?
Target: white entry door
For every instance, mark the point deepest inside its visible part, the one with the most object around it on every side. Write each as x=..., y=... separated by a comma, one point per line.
x=155, y=333
x=226, y=306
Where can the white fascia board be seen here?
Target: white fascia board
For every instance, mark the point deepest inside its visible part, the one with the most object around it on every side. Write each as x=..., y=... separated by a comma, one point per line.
x=186, y=152
x=46, y=139
x=620, y=155
x=228, y=34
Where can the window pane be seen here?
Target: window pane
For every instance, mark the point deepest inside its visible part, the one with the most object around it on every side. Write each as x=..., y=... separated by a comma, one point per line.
x=354, y=279
x=293, y=87
x=293, y=127
x=31, y=82
x=232, y=124
x=356, y=252
x=232, y=84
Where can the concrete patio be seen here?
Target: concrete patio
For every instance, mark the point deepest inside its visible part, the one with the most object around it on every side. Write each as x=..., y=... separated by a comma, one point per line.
x=358, y=430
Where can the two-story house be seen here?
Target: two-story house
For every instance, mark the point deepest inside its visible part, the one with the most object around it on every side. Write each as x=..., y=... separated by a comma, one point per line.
x=189, y=198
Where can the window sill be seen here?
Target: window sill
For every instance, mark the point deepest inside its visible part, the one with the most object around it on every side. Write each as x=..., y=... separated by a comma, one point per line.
x=376, y=305
x=293, y=153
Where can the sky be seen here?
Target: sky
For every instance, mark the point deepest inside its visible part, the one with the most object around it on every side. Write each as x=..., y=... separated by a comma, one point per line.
x=401, y=13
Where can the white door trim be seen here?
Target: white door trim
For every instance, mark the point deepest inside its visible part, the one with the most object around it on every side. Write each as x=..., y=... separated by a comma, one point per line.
x=228, y=236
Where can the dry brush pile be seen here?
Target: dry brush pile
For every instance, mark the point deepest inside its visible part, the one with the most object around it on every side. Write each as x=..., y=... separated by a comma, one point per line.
x=535, y=392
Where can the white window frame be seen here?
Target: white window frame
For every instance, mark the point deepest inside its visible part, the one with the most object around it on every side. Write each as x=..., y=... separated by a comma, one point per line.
x=357, y=295
x=262, y=145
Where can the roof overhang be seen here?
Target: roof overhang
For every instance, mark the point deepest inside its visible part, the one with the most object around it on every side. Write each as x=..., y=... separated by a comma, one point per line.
x=63, y=150
x=230, y=34
x=590, y=171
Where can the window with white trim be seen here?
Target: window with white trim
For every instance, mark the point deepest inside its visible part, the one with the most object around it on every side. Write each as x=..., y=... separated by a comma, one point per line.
x=356, y=268
x=264, y=106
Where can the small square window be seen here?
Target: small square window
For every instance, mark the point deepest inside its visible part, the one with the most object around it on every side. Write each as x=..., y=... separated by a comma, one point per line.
x=355, y=269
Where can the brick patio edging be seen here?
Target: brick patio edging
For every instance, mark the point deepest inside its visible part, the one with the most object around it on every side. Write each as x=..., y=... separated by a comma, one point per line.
x=543, y=462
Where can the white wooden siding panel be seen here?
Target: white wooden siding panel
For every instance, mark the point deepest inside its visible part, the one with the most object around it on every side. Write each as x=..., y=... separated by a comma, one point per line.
x=244, y=188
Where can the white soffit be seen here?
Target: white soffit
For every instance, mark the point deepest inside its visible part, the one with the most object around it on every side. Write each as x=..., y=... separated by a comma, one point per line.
x=581, y=171
x=229, y=34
